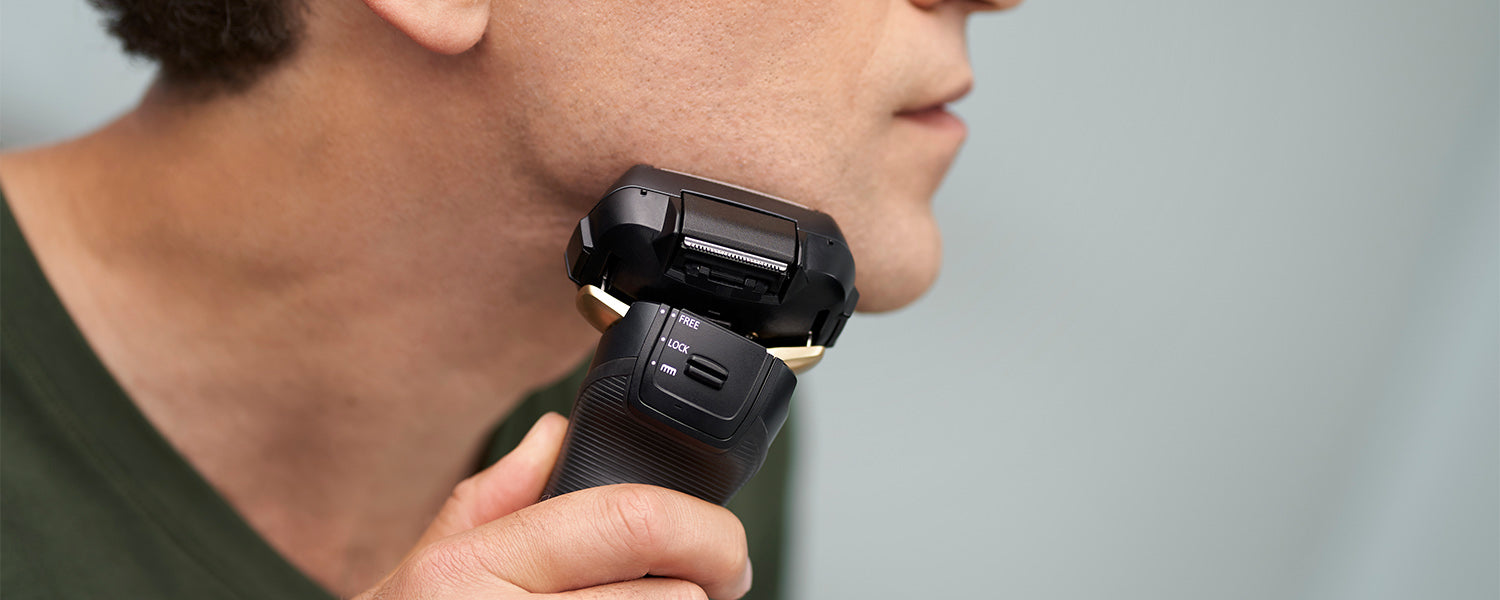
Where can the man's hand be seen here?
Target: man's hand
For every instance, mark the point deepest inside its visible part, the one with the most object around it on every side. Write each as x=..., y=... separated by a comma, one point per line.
x=490, y=541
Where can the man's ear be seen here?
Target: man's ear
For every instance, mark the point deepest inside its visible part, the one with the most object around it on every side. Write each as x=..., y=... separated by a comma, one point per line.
x=445, y=26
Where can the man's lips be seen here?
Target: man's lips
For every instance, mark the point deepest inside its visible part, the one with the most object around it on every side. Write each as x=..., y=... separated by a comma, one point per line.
x=936, y=108
x=934, y=113
x=928, y=110
x=940, y=101
x=934, y=116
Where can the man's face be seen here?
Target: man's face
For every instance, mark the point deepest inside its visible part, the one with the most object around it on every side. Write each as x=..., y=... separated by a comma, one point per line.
x=802, y=99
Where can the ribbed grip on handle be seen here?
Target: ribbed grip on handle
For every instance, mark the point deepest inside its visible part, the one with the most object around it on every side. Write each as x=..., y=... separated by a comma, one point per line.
x=607, y=443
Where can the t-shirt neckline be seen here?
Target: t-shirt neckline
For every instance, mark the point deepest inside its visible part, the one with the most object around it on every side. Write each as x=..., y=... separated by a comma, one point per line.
x=141, y=465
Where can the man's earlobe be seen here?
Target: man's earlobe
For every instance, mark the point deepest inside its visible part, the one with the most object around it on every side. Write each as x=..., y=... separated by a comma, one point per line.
x=445, y=26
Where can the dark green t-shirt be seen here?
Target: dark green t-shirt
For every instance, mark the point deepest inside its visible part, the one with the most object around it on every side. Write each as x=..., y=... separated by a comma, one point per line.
x=95, y=503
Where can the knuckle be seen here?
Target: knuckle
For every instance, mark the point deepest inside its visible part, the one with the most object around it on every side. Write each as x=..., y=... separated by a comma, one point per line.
x=731, y=543
x=443, y=561
x=462, y=492
x=638, y=515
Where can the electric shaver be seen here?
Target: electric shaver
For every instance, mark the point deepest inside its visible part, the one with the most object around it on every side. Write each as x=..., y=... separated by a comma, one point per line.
x=710, y=298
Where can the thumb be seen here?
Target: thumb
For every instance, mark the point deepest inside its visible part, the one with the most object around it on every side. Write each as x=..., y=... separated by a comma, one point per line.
x=509, y=485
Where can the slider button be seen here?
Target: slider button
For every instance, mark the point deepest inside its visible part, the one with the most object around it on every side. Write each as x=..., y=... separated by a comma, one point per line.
x=707, y=372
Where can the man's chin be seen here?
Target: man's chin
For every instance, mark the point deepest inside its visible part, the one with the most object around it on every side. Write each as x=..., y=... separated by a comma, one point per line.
x=893, y=282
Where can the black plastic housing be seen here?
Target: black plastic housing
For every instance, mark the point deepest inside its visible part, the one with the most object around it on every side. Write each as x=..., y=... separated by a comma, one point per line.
x=642, y=418
x=775, y=271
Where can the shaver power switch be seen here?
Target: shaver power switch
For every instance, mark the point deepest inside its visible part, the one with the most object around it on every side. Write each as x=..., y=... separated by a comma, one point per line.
x=702, y=375
x=707, y=372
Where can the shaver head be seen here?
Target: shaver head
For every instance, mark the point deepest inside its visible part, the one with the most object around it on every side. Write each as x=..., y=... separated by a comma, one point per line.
x=774, y=271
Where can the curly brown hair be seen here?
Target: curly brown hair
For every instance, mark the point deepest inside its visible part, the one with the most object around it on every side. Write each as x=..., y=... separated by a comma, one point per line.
x=208, y=44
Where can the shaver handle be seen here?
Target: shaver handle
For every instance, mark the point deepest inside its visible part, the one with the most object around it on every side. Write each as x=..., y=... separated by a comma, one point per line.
x=676, y=401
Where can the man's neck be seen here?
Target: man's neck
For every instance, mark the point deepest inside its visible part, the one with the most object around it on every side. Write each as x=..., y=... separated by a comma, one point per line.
x=325, y=315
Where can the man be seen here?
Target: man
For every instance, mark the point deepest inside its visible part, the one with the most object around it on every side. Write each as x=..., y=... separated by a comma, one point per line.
x=321, y=259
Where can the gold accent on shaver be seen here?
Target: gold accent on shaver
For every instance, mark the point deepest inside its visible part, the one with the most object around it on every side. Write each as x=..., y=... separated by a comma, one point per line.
x=599, y=308
x=602, y=310
x=798, y=358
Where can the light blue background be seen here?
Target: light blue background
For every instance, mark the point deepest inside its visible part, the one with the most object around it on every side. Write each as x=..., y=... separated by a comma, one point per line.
x=1218, y=320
